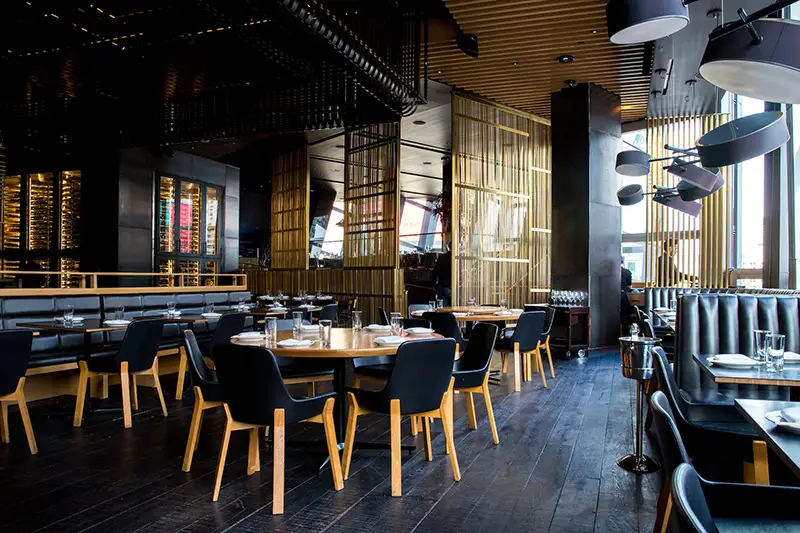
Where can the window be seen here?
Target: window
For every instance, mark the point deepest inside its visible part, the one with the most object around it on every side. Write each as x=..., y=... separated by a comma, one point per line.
x=420, y=227
x=634, y=217
x=794, y=179
x=327, y=234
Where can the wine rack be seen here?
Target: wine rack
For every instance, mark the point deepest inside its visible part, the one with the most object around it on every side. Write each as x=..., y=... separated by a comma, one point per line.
x=166, y=215
x=190, y=218
x=12, y=219
x=40, y=211
x=190, y=267
x=211, y=268
x=212, y=216
x=70, y=215
x=166, y=266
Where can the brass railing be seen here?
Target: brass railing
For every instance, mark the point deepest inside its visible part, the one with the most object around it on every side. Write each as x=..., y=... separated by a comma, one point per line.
x=91, y=280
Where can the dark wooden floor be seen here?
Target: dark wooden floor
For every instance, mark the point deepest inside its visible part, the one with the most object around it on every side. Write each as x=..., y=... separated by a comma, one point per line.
x=554, y=470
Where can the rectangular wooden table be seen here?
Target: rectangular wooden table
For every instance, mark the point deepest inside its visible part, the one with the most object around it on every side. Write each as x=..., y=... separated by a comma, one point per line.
x=790, y=377
x=786, y=445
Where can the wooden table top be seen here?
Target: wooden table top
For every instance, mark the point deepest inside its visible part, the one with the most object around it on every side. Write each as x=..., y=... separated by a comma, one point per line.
x=481, y=314
x=345, y=343
x=667, y=317
x=790, y=377
x=786, y=445
x=89, y=325
x=267, y=312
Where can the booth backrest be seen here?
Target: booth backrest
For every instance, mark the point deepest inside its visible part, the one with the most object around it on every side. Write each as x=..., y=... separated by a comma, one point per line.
x=655, y=297
x=724, y=323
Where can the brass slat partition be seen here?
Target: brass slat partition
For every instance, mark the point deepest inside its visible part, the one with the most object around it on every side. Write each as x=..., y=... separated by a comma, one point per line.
x=371, y=196
x=496, y=154
x=702, y=245
x=290, y=204
x=374, y=287
x=540, y=147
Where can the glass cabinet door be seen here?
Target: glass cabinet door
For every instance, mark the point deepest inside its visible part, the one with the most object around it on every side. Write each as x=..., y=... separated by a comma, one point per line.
x=40, y=206
x=166, y=215
x=212, y=220
x=190, y=218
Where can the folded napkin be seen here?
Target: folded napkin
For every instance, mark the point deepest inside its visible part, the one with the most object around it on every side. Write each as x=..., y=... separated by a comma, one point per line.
x=277, y=308
x=517, y=310
x=306, y=306
x=418, y=313
x=116, y=322
x=792, y=414
x=460, y=314
x=324, y=297
x=294, y=343
x=732, y=358
x=74, y=319
x=393, y=340
x=503, y=313
x=166, y=313
x=791, y=357
x=378, y=327
x=211, y=315
x=265, y=298
x=248, y=335
x=419, y=331
x=309, y=327
x=298, y=298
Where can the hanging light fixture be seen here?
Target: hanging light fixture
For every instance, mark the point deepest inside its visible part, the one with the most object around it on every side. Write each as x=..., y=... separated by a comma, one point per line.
x=640, y=21
x=633, y=163
x=743, y=139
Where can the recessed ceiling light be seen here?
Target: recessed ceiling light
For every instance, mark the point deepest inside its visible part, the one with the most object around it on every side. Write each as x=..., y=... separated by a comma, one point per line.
x=514, y=64
x=594, y=31
x=427, y=163
x=565, y=59
x=419, y=122
x=438, y=72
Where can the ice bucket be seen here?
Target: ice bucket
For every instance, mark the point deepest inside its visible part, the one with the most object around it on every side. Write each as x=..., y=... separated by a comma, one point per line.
x=637, y=357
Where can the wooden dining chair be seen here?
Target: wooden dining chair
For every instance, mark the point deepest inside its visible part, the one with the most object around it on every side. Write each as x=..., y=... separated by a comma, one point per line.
x=544, y=343
x=15, y=351
x=523, y=341
x=136, y=357
x=421, y=384
x=471, y=373
x=255, y=396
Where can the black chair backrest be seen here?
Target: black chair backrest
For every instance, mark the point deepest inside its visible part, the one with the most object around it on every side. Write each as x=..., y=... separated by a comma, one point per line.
x=202, y=376
x=667, y=385
x=421, y=374
x=140, y=345
x=384, y=318
x=673, y=452
x=287, y=324
x=647, y=328
x=416, y=323
x=15, y=351
x=690, y=501
x=446, y=325
x=529, y=330
x=252, y=385
x=228, y=325
x=329, y=312
x=550, y=313
x=478, y=353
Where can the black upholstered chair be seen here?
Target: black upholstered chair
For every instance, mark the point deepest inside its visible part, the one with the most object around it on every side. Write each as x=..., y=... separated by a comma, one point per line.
x=136, y=356
x=715, y=434
x=446, y=325
x=228, y=325
x=207, y=393
x=471, y=372
x=255, y=396
x=302, y=370
x=421, y=385
x=524, y=340
x=416, y=323
x=15, y=352
x=707, y=507
x=330, y=312
x=383, y=317
x=544, y=343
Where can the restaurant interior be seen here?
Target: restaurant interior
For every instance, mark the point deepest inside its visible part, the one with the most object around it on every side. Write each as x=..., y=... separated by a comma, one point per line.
x=332, y=225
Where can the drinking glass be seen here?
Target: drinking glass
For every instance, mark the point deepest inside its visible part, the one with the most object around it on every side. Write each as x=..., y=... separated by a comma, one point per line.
x=271, y=330
x=241, y=304
x=325, y=327
x=439, y=304
x=297, y=323
x=119, y=312
x=357, y=320
x=171, y=309
x=504, y=305
x=471, y=305
x=319, y=294
x=432, y=306
x=280, y=295
x=69, y=314
x=761, y=344
x=269, y=295
x=775, y=344
x=397, y=325
x=673, y=305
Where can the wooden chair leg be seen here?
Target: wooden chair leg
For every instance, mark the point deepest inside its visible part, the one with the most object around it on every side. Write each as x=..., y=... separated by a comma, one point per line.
x=535, y=362
x=426, y=433
x=126, y=395
x=310, y=390
x=472, y=420
x=550, y=358
x=26, y=417
x=223, y=453
x=278, y=454
x=504, y=363
x=80, y=399
x=489, y=409
x=5, y=436
x=663, y=507
x=760, y=462
x=182, y=367
x=199, y=429
x=157, y=383
x=397, y=466
x=194, y=430
x=414, y=425
x=517, y=376
x=350, y=434
x=448, y=436
x=525, y=366
x=135, y=393
x=538, y=356
x=253, y=453
x=333, y=446
x=356, y=383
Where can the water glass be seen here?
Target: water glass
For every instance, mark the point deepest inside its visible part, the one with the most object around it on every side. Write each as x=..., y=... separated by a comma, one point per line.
x=319, y=294
x=241, y=304
x=325, y=327
x=119, y=312
x=432, y=306
x=471, y=305
x=397, y=325
x=357, y=320
x=297, y=323
x=280, y=295
x=69, y=314
x=761, y=344
x=504, y=305
x=171, y=309
x=271, y=329
x=775, y=344
x=439, y=304
x=209, y=308
x=673, y=305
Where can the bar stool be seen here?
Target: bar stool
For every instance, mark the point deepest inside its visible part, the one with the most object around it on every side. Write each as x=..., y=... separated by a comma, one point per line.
x=15, y=347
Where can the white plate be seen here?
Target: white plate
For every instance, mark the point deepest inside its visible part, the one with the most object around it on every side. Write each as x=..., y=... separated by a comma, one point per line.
x=378, y=327
x=309, y=327
x=174, y=315
x=517, y=310
x=390, y=341
x=419, y=313
x=775, y=418
x=419, y=332
x=277, y=309
x=117, y=322
x=791, y=357
x=460, y=314
x=325, y=298
x=74, y=319
x=249, y=340
x=297, y=299
x=305, y=306
x=737, y=361
x=211, y=315
x=662, y=309
x=249, y=335
x=295, y=343
x=503, y=313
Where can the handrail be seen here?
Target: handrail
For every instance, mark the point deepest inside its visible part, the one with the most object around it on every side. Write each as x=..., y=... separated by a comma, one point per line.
x=238, y=279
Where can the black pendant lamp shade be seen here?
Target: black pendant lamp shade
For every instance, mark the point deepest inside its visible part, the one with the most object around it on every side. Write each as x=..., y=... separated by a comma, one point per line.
x=690, y=193
x=676, y=202
x=630, y=194
x=633, y=163
x=640, y=21
x=768, y=70
x=694, y=175
x=743, y=139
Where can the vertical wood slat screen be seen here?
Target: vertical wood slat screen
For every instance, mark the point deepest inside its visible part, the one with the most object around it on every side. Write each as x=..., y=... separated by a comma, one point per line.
x=702, y=245
x=495, y=152
x=371, y=196
x=290, y=204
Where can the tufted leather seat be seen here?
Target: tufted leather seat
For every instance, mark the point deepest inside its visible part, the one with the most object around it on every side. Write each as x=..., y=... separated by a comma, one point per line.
x=724, y=323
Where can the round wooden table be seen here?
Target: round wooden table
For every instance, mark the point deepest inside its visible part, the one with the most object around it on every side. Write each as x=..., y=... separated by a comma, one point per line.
x=481, y=314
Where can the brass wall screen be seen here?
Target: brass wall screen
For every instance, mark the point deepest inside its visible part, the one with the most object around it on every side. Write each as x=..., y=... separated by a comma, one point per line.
x=501, y=168
x=701, y=246
x=371, y=196
x=290, y=203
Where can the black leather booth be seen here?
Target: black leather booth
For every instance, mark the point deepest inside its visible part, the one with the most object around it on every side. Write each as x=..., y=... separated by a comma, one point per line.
x=655, y=297
x=51, y=349
x=724, y=323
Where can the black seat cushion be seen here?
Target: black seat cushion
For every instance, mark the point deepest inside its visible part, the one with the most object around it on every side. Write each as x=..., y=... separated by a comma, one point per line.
x=103, y=362
x=379, y=371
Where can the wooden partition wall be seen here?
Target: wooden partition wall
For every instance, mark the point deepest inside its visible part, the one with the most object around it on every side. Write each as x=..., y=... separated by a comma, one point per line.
x=501, y=203
x=702, y=245
x=290, y=203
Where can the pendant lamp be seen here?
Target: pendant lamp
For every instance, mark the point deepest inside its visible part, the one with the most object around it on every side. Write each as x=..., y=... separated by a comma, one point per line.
x=633, y=163
x=640, y=21
x=743, y=139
